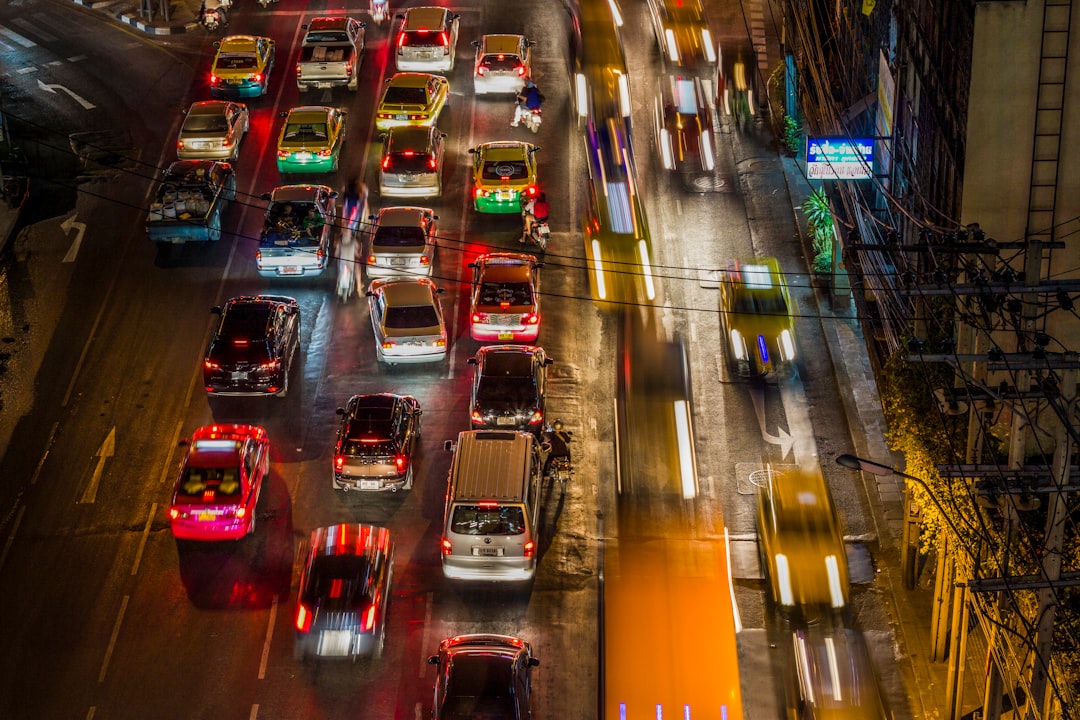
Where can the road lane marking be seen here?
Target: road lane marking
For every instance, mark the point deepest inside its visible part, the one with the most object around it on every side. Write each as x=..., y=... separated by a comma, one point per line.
x=143, y=539
x=48, y=449
x=266, y=643
x=112, y=639
x=11, y=536
x=425, y=639
x=28, y=26
x=166, y=469
x=104, y=452
x=16, y=37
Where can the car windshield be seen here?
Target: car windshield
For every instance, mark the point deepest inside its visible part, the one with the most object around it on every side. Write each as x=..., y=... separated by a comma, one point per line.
x=400, y=95
x=399, y=236
x=501, y=62
x=511, y=293
x=411, y=316
x=762, y=303
x=484, y=520
x=305, y=132
x=209, y=485
x=236, y=62
x=408, y=162
x=205, y=124
x=343, y=577
x=505, y=170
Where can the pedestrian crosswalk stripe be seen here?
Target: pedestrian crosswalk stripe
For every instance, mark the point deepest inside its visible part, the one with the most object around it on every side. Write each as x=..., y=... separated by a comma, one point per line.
x=29, y=27
x=16, y=37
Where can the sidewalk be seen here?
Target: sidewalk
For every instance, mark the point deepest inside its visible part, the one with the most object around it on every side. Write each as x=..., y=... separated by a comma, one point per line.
x=183, y=15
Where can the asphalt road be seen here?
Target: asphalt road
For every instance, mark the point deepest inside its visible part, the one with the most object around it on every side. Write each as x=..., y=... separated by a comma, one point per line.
x=106, y=616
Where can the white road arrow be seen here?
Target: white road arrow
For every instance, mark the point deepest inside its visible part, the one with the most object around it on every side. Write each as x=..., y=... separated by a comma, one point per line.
x=106, y=451
x=782, y=438
x=67, y=226
x=87, y=105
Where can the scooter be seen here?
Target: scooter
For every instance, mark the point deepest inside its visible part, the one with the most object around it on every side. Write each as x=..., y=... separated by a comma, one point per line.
x=560, y=468
x=539, y=235
x=532, y=120
x=379, y=11
x=266, y=3
x=214, y=18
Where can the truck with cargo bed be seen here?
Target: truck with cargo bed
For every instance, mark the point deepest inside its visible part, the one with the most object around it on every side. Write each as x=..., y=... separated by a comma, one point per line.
x=191, y=201
x=331, y=53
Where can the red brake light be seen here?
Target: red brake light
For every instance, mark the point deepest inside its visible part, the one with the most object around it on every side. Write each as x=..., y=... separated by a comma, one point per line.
x=425, y=260
x=408, y=153
x=297, y=68
x=477, y=417
x=173, y=513
x=532, y=190
x=303, y=618
x=369, y=619
x=447, y=547
x=481, y=70
x=283, y=153
x=479, y=192
x=444, y=39
x=214, y=79
x=521, y=70
x=399, y=461
x=530, y=548
x=501, y=56
x=530, y=319
x=325, y=152
x=386, y=162
x=371, y=260
x=476, y=317
x=401, y=40
x=257, y=77
x=536, y=418
x=241, y=512
x=179, y=144
x=487, y=505
x=431, y=163
x=339, y=462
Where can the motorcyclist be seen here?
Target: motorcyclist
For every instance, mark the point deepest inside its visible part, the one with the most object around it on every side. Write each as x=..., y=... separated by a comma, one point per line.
x=530, y=98
x=353, y=202
x=557, y=443
x=214, y=6
x=533, y=212
x=379, y=10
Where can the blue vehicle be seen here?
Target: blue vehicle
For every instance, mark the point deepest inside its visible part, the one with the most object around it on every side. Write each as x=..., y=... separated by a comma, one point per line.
x=191, y=201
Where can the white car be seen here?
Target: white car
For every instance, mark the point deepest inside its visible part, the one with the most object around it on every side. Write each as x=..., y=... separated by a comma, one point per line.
x=407, y=317
x=212, y=130
x=403, y=242
x=427, y=40
x=503, y=64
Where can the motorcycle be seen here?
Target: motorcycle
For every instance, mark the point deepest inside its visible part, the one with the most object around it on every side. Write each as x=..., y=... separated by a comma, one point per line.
x=379, y=11
x=557, y=446
x=214, y=18
x=532, y=120
x=266, y=3
x=538, y=235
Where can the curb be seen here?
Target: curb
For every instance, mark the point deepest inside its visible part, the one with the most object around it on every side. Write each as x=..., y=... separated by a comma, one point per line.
x=131, y=17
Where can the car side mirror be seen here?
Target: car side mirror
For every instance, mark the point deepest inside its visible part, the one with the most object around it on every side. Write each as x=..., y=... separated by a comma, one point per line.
x=472, y=151
x=442, y=135
x=362, y=24
x=473, y=361
x=333, y=194
x=434, y=217
x=370, y=294
x=283, y=113
x=266, y=196
x=340, y=411
x=530, y=43
x=400, y=15
x=216, y=310
x=373, y=217
x=548, y=361
x=476, y=43
x=474, y=266
x=303, y=27
x=533, y=662
x=457, y=17
x=439, y=291
x=535, y=148
x=448, y=446
x=433, y=660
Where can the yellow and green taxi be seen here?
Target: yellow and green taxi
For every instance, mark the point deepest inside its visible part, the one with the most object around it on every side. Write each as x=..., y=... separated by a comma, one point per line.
x=504, y=176
x=412, y=98
x=755, y=313
x=242, y=66
x=311, y=139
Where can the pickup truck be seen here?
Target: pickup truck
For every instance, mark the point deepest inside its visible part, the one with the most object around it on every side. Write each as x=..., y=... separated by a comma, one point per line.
x=296, y=236
x=191, y=201
x=331, y=53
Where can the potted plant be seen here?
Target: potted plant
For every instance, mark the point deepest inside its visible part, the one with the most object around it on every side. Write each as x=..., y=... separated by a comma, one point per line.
x=819, y=220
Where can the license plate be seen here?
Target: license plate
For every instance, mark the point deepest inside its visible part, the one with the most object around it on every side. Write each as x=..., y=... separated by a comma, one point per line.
x=397, y=261
x=369, y=485
x=324, y=85
x=335, y=643
x=506, y=336
x=401, y=117
x=507, y=194
x=206, y=517
x=304, y=156
x=239, y=376
x=290, y=270
x=406, y=179
x=506, y=421
x=487, y=551
x=425, y=54
x=234, y=82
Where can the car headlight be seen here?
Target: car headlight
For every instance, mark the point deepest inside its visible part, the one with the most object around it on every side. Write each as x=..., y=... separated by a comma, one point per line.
x=707, y=43
x=787, y=345
x=706, y=149
x=672, y=46
x=667, y=155
x=783, y=580
x=581, y=88
x=738, y=345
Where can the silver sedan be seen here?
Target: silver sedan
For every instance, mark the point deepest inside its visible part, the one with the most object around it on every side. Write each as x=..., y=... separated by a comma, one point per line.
x=213, y=130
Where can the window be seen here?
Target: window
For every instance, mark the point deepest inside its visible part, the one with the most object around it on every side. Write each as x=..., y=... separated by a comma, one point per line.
x=398, y=95
x=493, y=293
x=408, y=162
x=506, y=170
x=411, y=316
x=400, y=236
x=485, y=520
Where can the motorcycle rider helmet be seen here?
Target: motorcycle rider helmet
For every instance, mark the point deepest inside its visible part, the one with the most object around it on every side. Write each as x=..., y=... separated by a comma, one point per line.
x=557, y=426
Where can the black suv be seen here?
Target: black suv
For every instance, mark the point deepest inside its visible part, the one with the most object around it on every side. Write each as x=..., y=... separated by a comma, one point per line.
x=345, y=588
x=375, y=442
x=483, y=676
x=509, y=382
x=253, y=347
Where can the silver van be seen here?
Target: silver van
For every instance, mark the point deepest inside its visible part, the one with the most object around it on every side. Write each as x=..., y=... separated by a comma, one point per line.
x=412, y=162
x=427, y=40
x=492, y=506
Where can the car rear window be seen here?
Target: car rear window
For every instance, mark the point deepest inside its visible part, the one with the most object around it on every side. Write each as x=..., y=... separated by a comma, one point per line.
x=368, y=448
x=505, y=170
x=422, y=38
x=305, y=132
x=501, y=62
x=763, y=303
x=209, y=485
x=484, y=520
x=408, y=163
x=245, y=321
x=338, y=576
x=231, y=351
x=411, y=316
x=512, y=293
x=399, y=236
x=512, y=391
x=327, y=36
x=236, y=62
x=205, y=124
x=508, y=364
x=399, y=95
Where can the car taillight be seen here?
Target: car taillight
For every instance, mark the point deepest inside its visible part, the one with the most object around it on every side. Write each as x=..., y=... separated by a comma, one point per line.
x=270, y=365
x=385, y=162
x=240, y=513
x=258, y=259
x=371, y=260
x=479, y=317
x=257, y=77
x=303, y=618
x=320, y=257
x=530, y=319
x=536, y=418
x=214, y=79
x=521, y=70
x=227, y=142
x=325, y=153
x=441, y=342
x=479, y=192
x=477, y=418
x=431, y=163
x=339, y=462
x=174, y=513
x=348, y=69
x=179, y=144
x=401, y=40
x=297, y=68
x=400, y=463
x=445, y=41
x=529, y=549
x=481, y=70
x=284, y=153
x=210, y=365
x=531, y=190
x=387, y=344
x=417, y=117
x=425, y=260
x=447, y=546
x=369, y=619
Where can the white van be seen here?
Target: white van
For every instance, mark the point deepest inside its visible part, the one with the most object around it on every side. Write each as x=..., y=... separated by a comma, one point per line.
x=492, y=506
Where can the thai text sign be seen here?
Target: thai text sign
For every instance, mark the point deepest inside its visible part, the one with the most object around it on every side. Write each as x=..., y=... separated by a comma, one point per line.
x=839, y=158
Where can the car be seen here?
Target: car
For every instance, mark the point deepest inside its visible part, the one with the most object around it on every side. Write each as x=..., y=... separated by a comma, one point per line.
x=508, y=388
x=427, y=39
x=503, y=64
x=756, y=317
x=832, y=675
x=242, y=66
x=376, y=440
x=801, y=546
x=253, y=346
x=684, y=129
x=212, y=130
x=682, y=33
x=737, y=81
x=344, y=597
x=412, y=162
x=403, y=242
x=311, y=139
x=412, y=99
x=483, y=676
x=296, y=233
x=505, y=298
x=220, y=480
x=503, y=174
x=407, y=317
